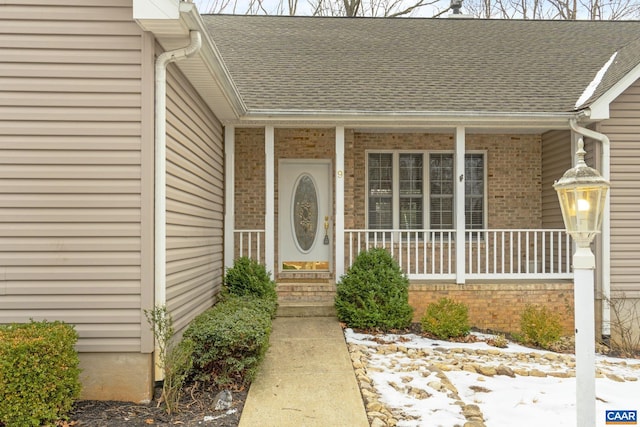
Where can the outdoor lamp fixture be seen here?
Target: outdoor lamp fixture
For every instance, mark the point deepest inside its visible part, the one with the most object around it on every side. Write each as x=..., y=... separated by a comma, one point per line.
x=582, y=192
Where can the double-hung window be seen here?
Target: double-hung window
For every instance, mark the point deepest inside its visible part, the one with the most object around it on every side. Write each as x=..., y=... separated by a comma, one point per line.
x=415, y=190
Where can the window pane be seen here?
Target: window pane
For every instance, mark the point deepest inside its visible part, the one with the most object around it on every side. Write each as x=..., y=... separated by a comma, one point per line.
x=410, y=191
x=441, y=191
x=474, y=191
x=411, y=213
x=380, y=173
x=380, y=213
x=411, y=174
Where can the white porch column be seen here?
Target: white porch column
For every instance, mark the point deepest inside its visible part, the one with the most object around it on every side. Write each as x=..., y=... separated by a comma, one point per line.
x=229, y=191
x=458, y=207
x=269, y=211
x=339, y=203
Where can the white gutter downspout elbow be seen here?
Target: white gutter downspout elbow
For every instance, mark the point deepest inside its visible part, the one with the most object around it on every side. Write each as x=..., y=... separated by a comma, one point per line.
x=160, y=214
x=606, y=226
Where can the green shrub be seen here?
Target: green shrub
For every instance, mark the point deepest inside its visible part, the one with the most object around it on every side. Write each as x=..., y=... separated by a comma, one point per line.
x=374, y=293
x=39, y=373
x=230, y=340
x=248, y=277
x=540, y=326
x=446, y=319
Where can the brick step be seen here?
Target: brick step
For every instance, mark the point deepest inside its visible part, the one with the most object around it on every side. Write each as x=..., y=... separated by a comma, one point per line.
x=296, y=291
x=306, y=309
x=308, y=298
x=305, y=287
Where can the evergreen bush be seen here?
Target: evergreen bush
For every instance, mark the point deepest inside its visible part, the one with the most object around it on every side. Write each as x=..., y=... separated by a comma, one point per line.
x=230, y=340
x=374, y=293
x=446, y=319
x=248, y=277
x=39, y=373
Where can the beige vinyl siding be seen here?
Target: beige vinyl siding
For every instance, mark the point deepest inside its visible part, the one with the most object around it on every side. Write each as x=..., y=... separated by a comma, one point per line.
x=195, y=196
x=556, y=159
x=623, y=129
x=75, y=158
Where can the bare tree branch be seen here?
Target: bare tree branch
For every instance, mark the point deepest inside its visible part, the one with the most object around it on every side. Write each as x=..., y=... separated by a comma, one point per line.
x=413, y=7
x=504, y=9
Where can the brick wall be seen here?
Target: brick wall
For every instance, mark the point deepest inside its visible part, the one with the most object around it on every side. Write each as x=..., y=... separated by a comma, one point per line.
x=497, y=306
x=249, y=178
x=514, y=172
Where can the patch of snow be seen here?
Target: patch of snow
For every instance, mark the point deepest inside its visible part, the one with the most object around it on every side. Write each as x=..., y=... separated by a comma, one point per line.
x=208, y=418
x=525, y=401
x=591, y=88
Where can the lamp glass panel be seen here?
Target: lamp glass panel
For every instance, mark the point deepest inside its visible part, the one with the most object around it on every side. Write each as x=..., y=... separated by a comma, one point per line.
x=582, y=208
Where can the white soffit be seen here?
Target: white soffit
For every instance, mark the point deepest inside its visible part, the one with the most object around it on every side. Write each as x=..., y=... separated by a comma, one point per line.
x=156, y=9
x=170, y=21
x=196, y=70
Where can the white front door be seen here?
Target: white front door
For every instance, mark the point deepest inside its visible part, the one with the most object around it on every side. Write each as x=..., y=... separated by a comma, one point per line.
x=304, y=215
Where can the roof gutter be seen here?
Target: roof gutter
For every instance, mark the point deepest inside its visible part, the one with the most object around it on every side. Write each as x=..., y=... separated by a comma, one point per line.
x=408, y=118
x=606, y=226
x=160, y=212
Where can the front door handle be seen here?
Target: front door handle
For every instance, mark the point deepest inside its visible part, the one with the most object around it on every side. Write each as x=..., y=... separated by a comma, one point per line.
x=326, y=230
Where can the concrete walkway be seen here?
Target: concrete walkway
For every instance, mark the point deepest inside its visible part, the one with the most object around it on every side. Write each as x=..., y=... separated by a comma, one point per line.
x=306, y=379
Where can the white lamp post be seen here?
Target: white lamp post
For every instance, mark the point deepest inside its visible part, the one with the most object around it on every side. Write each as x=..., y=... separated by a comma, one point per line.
x=582, y=192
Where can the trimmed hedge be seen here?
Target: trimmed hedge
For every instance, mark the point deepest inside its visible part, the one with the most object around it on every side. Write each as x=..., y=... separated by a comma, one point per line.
x=374, y=293
x=39, y=373
x=231, y=339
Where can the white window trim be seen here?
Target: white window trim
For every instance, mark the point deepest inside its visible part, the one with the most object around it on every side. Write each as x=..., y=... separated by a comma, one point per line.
x=426, y=205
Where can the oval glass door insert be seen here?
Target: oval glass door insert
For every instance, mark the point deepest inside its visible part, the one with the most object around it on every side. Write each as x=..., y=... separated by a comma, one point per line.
x=305, y=212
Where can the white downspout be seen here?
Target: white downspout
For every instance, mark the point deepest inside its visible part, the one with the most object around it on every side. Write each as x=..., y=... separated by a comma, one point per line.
x=606, y=226
x=160, y=214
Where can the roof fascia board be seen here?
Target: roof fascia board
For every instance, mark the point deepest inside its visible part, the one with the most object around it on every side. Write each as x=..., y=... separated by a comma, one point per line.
x=599, y=109
x=413, y=119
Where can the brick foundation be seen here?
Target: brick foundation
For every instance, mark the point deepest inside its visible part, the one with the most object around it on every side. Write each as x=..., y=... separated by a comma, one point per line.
x=497, y=307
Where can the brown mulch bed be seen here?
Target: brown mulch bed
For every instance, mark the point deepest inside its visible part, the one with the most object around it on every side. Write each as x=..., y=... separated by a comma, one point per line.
x=197, y=408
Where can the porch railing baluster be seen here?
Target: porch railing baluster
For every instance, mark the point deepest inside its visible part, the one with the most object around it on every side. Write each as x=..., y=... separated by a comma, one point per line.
x=495, y=252
x=424, y=254
x=450, y=249
x=479, y=251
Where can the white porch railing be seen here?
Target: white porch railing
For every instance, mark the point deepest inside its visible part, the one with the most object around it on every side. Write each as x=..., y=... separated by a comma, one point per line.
x=489, y=254
x=518, y=254
x=250, y=244
x=420, y=253
x=431, y=254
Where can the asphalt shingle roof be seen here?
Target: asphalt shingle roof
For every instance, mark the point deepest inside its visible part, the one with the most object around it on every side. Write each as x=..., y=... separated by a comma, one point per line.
x=424, y=65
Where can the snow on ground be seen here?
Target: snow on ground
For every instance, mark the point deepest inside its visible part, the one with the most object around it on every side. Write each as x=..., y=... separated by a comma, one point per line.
x=436, y=383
